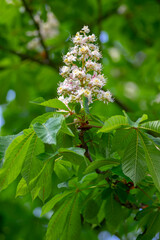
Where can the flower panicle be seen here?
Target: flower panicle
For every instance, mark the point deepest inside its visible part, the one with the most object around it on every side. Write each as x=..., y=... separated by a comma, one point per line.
x=82, y=71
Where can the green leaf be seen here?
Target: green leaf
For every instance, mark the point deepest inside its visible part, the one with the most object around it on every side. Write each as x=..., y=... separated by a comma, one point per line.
x=113, y=123
x=73, y=224
x=51, y=203
x=153, y=159
x=100, y=163
x=42, y=118
x=43, y=185
x=22, y=188
x=91, y=209
x=61, y=171
x=114, y=213
x=121, y=139
x=78, y=108
x=149, y=220
x=65, y=129
x=141, y=119
x=130, y=122
x=133, y=162
x=52, y=103
x=14, y=158
x=73, y=154
x=48, y=131
x=85, y=105
x=151, y=126
x=32, y=165
x=58, y=221
x=4, y=143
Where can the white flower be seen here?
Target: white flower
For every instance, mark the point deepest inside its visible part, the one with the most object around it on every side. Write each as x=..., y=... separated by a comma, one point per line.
x=69, y=59
x=86, y=29
x=97, y=82
x=78, y=73
x=92, y=38
x=82, y=74
x=96, y=54
x=83, y=49
x=64, y=70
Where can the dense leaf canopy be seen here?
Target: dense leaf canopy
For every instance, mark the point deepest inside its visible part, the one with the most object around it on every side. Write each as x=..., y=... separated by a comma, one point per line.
x=98, y=175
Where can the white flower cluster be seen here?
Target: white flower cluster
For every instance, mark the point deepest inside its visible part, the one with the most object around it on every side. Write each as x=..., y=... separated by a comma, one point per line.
x=82, y=72
x=48, y=29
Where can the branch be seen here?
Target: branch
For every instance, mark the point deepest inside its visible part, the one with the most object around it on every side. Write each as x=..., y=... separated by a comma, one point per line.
x=122, y=105
x=24, y=56
x=38, y=29
x=87, y=154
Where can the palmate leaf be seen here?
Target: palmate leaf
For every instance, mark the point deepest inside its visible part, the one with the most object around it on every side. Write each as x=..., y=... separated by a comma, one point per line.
x=113, y=123
x=32, y=165
x=52, y=103
x=14, y=158
x=133, y=162
x=151, y=126
x=152, y=154
x=48, y=131
x=100, y=163
x=121, y=139
x=65, y=222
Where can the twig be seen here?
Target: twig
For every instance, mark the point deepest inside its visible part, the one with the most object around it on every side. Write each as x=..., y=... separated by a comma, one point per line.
x=38, y=29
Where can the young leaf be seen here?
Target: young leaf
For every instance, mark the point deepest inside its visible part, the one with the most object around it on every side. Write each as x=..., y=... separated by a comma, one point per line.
x=14, y=157
x=52, y=103
x=133, y=163
x=113, y=123
x=143, y=118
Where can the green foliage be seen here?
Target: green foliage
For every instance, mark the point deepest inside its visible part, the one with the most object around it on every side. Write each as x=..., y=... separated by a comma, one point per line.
x=90, y=166
x=52, y=103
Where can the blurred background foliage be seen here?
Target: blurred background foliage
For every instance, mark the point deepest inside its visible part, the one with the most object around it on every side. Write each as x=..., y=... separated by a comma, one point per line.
x=34, y=35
